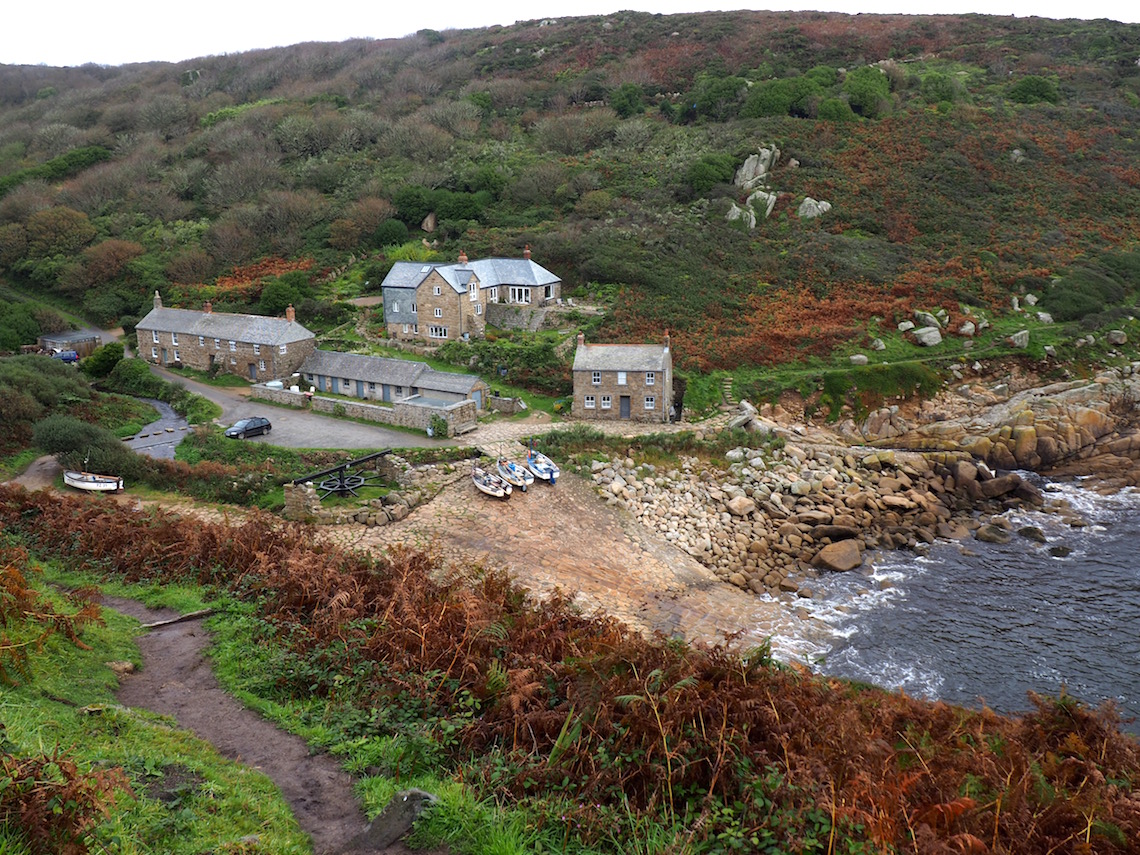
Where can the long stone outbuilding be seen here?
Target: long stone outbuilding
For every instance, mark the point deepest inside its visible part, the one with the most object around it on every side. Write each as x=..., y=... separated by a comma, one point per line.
x=253, y=346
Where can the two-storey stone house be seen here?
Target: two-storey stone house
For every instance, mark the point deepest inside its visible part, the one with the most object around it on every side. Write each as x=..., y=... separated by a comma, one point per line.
x=623, y=381
x=437, y=303
x=253, y=346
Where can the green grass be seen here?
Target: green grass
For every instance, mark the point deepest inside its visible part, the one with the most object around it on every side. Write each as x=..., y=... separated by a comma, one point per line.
x=186, y=797
x=15, y=464
x=222, y=380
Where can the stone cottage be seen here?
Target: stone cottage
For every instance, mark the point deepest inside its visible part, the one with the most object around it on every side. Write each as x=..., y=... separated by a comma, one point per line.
x=253, y=346
x=631, y=382
x=378, y=378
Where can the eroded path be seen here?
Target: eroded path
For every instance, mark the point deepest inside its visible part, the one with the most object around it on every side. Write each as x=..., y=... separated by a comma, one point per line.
x=176, y=680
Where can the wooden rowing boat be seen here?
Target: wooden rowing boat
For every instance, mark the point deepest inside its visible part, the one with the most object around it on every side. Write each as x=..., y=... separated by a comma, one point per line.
x=91, y=482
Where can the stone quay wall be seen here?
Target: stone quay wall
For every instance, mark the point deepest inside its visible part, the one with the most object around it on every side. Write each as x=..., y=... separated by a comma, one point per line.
x=410, y=413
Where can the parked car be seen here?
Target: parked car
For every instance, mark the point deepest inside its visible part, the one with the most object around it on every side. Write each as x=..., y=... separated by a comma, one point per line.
x=249, y=427
x=68, y=356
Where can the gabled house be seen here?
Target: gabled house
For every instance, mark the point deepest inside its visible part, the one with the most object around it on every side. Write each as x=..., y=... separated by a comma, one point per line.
x=436, y=303
x=253, y=346
x=632, y=382
x=377, y=378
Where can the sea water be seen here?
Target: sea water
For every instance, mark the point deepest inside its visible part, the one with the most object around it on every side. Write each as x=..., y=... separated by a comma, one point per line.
x=984, y=624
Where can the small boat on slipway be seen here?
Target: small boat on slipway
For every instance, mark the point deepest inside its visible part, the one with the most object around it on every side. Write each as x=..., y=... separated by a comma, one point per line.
x=490, y=483
x=542, y=466
x=514, y=474
x=92, y=483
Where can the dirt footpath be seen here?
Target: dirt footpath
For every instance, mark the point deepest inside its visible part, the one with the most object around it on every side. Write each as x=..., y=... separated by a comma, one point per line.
x=566, y=537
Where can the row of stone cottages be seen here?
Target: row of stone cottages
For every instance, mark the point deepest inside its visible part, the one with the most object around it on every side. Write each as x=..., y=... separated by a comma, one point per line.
x=628, y=382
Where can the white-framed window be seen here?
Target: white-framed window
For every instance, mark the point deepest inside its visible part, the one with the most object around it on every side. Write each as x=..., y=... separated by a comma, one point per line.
x=650, y=378
x=217, y=344
x=405, y=327
x=257, y=350
x=399, y=390
x=478, y=308
x=650, y=402
x=233, y=347
x=493, y=295
x=416, y=329
x=395, y=306
x=233, y=361
x=438, y=312
x=519, y=294
x=621, y=378
x=174, y=338
x=177, y=355
x=201, y=341
x=154, y=353
x=346, y=383
x=437, y=332
x=154, y=336
x=607, y=402
x=371, y=387
x=283, y=349
x=261, y=365
x=436, y=291
x=413, y=308
x=589, y=402
x=473, y=291
x=309, y=377
x=596, y=378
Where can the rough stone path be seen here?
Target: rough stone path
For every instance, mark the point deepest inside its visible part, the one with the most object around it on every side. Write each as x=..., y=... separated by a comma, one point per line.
x=176, y=680
x=566, y=537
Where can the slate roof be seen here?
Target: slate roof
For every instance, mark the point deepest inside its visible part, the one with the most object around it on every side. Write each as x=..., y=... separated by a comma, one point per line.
x=252, y=329
x=492, y=273
x=621, y=357
x=394, y=372
x=445, y=381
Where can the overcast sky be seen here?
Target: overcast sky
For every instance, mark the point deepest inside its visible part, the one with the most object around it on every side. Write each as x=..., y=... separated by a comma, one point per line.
x=114, y=32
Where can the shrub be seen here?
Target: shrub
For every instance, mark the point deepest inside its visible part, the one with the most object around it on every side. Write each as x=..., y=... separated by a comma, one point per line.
x=835, y=110
x=103, y=360
x=83, y=446
x=709, y=171
x=1033, y=89
x=867, y=88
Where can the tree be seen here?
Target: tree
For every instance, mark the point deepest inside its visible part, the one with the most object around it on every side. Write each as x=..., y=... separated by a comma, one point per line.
x=58, y=231
x=103, y=360
x=627, y=100
x=835, y=110
x=867, y=89
x=278, y=295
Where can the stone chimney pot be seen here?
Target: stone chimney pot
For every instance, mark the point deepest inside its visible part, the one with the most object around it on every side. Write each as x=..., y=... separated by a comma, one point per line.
x=290, y=313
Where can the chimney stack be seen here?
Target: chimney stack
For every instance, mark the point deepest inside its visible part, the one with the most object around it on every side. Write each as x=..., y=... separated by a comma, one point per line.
x=157, y=300
x=462, y=256
x=666, y=341
x=290, y=313
x=581, y=339
x=208, y=307
x=526, y=252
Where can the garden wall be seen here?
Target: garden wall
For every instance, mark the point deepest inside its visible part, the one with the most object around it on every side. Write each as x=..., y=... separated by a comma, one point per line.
x=415, y=413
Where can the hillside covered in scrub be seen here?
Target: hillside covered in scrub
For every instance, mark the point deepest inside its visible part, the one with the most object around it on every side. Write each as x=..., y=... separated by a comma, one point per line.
x=966, y=160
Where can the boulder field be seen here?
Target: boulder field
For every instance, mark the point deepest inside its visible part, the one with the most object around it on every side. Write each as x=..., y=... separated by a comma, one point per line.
x=772, y=517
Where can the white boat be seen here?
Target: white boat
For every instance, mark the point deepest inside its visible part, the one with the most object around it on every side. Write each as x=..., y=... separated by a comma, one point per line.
x=542, y=466
x=92, y=482
x=514, y=474
x=490, y=483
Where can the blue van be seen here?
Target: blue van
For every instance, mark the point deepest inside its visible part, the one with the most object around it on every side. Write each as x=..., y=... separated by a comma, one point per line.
x=68, y=356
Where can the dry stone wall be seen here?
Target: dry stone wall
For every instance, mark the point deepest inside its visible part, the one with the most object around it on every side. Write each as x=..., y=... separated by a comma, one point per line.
x=460, y=416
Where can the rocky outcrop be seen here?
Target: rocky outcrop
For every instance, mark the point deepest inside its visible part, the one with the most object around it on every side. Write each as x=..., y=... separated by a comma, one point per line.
x=1038, y=429
x=810, y=208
